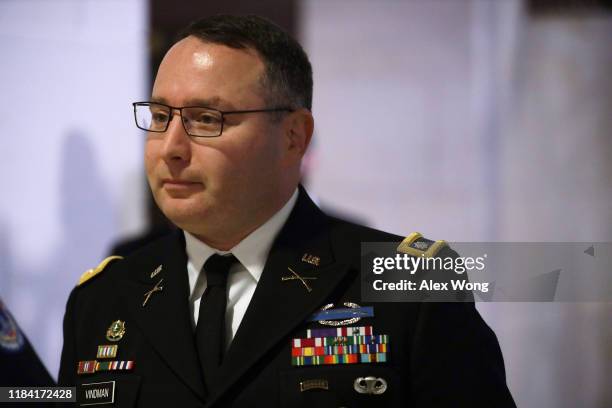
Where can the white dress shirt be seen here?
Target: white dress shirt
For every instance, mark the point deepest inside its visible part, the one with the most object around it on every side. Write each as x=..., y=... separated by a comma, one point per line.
x=251, y=252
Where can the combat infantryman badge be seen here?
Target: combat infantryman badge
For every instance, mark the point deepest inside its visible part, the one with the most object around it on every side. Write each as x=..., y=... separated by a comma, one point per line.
x=116, y=331
x=350, y=314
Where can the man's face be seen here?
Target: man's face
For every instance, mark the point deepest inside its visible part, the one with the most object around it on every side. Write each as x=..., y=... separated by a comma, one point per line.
x=210, y=186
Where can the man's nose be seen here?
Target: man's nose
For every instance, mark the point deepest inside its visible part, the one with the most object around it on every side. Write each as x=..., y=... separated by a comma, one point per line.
x=177, y=143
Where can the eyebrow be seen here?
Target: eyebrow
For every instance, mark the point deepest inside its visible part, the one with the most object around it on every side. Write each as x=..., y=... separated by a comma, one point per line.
x=213, y=102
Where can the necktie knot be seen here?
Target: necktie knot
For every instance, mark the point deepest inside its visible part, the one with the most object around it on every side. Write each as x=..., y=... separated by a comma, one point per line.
x=217, y=268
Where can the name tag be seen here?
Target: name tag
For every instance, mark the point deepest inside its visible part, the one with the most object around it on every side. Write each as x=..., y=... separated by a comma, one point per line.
x=96, y=393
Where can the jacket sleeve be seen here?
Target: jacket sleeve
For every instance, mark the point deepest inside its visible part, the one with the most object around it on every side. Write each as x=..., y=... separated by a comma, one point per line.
x=68, y=363
x=456, y=360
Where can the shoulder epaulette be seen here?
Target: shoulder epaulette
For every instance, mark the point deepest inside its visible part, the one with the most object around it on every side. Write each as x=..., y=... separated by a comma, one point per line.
x=417, y=245
x=90, y=273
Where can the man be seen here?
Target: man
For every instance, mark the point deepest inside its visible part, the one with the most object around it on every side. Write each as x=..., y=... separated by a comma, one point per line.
x=208, y=316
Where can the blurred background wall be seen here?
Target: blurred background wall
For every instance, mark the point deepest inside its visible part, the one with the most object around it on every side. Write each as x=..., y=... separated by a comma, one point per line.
x=467, y=120
x=71, y=167
x=477, y=121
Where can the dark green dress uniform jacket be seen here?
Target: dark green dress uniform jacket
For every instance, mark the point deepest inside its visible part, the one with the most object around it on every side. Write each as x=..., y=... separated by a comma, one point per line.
x=440, y=354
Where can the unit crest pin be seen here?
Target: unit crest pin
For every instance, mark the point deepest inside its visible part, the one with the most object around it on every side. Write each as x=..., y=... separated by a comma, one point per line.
x=116, y=331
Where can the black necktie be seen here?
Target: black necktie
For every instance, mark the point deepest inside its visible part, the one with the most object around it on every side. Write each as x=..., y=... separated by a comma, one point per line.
x=210, y=330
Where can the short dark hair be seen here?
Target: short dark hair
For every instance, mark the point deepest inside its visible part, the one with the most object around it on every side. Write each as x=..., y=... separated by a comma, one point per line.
x=288, y=74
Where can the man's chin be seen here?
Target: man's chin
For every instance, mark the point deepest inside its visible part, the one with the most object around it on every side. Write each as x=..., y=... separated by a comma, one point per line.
x=185, y=217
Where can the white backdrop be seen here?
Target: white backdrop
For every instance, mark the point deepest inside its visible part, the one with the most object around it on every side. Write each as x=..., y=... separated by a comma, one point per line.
x=468, y=120
x=71, y=167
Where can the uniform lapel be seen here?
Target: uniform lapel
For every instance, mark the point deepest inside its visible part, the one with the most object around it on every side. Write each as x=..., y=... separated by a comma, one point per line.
x=278, y=306
x=165, y=320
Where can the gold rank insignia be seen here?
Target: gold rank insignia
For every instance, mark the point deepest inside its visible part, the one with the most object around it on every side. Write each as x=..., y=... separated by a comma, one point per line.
x=90, y=273
x=417, y=245
x=115, y=331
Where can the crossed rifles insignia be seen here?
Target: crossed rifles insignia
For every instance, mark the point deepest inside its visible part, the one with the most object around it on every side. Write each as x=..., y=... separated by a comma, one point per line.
x=295, y=276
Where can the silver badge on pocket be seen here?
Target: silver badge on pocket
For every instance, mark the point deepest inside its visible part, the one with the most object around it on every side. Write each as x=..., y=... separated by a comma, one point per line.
x=370, y=385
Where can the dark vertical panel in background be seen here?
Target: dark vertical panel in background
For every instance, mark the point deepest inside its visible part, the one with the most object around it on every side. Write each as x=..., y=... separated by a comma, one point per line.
x=167, y=19
x=551, y=7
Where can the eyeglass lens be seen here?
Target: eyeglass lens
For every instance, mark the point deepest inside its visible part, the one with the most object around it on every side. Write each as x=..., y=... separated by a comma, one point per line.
x=197, y=121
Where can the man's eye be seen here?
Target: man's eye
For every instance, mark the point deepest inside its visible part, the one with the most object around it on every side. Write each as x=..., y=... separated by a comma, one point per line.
x=159, y=117
x=208, y=119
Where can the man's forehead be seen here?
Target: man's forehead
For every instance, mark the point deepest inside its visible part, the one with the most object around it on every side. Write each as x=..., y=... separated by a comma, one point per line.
x=204, y=53
x=198, y=73
x=211, y=102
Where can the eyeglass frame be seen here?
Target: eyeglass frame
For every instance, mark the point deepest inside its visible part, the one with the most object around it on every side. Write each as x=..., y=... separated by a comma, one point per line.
x=180, y=109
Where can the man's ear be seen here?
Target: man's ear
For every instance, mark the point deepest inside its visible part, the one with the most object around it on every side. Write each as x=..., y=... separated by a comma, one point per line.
x=298, y=129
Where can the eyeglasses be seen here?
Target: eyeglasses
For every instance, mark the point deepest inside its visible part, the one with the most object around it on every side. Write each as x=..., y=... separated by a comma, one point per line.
x=198, y=121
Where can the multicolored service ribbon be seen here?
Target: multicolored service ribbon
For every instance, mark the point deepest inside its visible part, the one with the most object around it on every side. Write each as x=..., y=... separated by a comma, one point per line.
x=337, y=350
x=339, y=331
x=340, y=340
x=339, y=359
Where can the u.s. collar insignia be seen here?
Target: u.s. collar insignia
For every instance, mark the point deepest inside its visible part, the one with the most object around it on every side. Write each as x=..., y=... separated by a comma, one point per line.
x=156, y=271
x=351, y=314
x=156, y=288
x=295, y=276
x=116, y=331
x=11, y=338
x=311, y=259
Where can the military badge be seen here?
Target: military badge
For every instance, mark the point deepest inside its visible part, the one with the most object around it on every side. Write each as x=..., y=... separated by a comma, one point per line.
x=311, y=259
x=156, y=288
x=116, y=331
x=11, y=338
x=350, y=314
x=156, y=271
x=417, y=245
x=295, y=276
x=370, y=385
x=314, y=384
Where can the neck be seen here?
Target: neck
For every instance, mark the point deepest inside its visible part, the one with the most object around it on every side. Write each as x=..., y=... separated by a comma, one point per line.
x=227, y=238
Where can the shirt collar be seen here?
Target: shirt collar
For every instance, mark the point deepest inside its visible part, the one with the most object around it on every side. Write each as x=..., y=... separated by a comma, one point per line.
x=252, y=251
